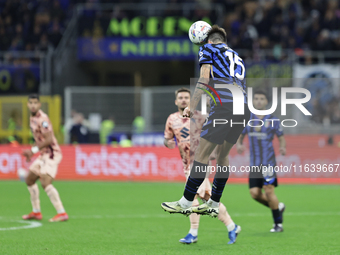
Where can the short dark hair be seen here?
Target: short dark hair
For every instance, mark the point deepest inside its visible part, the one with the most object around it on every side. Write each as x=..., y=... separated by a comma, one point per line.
x=261, y=92
x=183, y=89
x=216, y=34
x=33, y=96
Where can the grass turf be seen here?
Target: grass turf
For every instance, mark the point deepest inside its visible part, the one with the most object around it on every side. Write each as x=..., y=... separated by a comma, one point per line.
x=126, y=218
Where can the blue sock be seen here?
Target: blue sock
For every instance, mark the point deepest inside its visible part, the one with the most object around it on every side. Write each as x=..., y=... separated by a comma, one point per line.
x=197, y=176
x=277, y=216
x=220, y=180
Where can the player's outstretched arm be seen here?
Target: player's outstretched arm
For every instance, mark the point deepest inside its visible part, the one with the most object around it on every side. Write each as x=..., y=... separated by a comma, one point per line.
x=169, y=134
x=27, y=154
x=282, y=141
x=196, y=97
x=48, y=139
x=239, y=144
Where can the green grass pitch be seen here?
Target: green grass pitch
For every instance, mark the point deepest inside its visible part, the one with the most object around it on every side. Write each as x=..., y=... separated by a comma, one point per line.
x=126, y=218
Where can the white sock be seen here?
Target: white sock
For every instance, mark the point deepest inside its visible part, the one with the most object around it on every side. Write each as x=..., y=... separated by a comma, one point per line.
x=193, y=231
x=34, y=191
x=231, y=227
x=212, y=203
x=185, y=203
x=61, y=210
x=53, y=194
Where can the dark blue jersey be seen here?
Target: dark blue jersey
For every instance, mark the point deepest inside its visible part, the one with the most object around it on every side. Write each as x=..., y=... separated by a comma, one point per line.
x=261, y=139
x=227, y=67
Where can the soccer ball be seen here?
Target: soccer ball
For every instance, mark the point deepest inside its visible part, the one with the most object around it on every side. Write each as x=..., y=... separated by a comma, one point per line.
x=198, y=32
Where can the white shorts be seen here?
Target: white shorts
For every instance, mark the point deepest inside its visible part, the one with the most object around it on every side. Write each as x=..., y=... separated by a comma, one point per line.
x=45, y=165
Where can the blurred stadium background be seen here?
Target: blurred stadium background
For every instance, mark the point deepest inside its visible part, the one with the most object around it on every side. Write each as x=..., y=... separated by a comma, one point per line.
x=107, y=71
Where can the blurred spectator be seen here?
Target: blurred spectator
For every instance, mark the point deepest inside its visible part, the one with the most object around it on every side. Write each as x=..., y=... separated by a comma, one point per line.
x=106, y=128
x=138, y=125
x=97, y=30
x=326, y=112
x=55, y=33
x=14, y=122
x=79, y=132
x=73, y=120
x=323, y=41
x=286, y=24
x=126, y=143
x=292, y=24
x=69, y=122
x=44, y=44
x=5, y=41
x=335, y=112
x=29, y=22
x=56, y=11
x=35, y=38
x=17, y=44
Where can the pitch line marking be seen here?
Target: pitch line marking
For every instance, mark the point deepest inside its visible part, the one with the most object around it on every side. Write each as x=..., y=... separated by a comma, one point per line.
x=31, y=224
x=165, y=215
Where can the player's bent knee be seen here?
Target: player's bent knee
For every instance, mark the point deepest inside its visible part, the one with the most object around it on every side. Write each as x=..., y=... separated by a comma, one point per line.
x=269, y=189
x=31, y=179
x=29, y=182
x=45, y=180
x=270, y=193
x=45, y=184
x=255, y=194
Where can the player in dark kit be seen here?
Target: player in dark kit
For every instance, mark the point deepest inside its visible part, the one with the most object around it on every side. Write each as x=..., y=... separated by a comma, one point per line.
x=222, y=65
x=262, y=158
